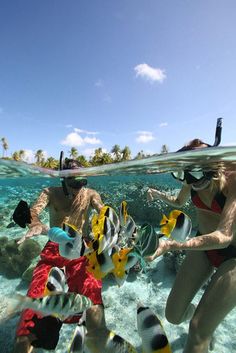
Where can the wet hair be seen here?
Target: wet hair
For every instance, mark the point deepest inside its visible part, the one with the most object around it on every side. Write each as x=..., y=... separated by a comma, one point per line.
x=71, y=163
x=219, y=179
x=191, y=145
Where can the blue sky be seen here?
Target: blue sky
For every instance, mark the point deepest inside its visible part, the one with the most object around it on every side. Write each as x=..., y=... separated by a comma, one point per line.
x=95, y=73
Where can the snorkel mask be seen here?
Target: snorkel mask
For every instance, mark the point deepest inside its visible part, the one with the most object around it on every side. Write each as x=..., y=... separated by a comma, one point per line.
x=195, y=176
x=74, y=182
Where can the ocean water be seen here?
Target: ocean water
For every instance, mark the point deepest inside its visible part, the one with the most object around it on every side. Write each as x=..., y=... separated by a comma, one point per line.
x=151, y=288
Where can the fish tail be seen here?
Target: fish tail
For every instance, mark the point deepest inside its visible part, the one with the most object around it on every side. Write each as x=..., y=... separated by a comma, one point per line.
x=16, y=304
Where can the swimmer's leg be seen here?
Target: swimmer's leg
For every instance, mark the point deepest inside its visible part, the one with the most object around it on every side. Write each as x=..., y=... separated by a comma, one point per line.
x=97, y=332
x=218, y=300
x=23, y=344
x=194, y=271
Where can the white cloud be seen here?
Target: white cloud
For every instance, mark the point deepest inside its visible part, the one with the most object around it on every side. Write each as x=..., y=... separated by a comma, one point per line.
x=89, y=152
x=145, y=137
x=68, y=126
x=74, y=139
x=163, y=124
x=149, y=73
x=92, y=140
x=29, y=156
x=86, y=132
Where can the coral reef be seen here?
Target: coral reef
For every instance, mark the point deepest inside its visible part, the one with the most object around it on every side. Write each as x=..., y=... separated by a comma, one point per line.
x=174, y=259
x=14, y=258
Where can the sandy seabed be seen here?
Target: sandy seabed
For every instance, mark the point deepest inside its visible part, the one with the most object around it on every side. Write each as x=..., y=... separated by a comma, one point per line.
x=151, y=288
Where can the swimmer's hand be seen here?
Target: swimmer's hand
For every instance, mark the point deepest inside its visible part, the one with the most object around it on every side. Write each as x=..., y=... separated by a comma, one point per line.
x=33, y=231
x=150, y=196
x=164, y=246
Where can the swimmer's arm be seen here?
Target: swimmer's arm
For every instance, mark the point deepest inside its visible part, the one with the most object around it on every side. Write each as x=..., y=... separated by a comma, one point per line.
x=176, y=200
x=96, y=201
x=36, y=227
x=38, y=207
x=221, y=238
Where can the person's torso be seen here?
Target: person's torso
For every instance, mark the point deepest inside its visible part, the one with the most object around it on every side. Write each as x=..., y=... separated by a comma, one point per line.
x=65, y=209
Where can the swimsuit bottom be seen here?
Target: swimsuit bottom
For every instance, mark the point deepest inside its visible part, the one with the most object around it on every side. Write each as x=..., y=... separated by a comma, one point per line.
x=218, y=256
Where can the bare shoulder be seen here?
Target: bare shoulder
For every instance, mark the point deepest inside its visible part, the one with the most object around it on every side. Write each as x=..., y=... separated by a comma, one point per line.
x=91, y=192
x=231, y=180
x=53, y=190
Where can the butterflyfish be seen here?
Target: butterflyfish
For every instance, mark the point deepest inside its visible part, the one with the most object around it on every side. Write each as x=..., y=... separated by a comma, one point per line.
x=123, y=214
x=110, y=213
x=77, y=344
x=150, y=329
x=99, y=264
x=117, y=344
x=71, y=243
x=58, y=235
x=147, y=240
x=128, y=232
x=177, y=225
x=123, y=261
x=104, y=232
x=56, y=281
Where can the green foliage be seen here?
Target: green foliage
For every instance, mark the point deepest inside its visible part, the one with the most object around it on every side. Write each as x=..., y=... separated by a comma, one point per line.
x=100, y=157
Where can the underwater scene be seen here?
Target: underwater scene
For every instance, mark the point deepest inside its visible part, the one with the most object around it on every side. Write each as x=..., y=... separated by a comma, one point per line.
x=148, y=283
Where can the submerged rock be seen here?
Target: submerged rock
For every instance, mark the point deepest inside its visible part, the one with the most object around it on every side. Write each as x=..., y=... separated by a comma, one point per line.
x=174, y=259
x=14, y=258
x=28, y=273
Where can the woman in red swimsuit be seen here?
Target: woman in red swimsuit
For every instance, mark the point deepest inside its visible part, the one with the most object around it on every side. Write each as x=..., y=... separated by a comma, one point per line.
x=214, y=195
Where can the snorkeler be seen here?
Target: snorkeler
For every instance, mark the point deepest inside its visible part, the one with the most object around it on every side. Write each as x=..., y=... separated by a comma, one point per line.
x=71, y=203
x=213, y=250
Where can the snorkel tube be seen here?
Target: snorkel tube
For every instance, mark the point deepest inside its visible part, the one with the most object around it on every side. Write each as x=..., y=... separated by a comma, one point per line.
x=185, y=174
x=61, y=167
x=218, y=132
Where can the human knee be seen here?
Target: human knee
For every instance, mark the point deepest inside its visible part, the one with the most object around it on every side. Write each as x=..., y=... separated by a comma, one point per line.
x=176, y=316
x=172, y=316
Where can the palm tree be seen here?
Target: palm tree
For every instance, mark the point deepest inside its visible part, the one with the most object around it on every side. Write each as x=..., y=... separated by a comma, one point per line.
x=100, y=157
x=5, y=147
x=106, y=158
x=16, y=156
x=83, y=161
x=73, y=152
x=39, y=156
x=21, y=154
x=140, y=155
x=117, y=152
x=164, y=149
x=126, y=153
x=51, y=163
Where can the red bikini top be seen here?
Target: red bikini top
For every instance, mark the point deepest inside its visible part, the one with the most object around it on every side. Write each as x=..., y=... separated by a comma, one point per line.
x=217, y=204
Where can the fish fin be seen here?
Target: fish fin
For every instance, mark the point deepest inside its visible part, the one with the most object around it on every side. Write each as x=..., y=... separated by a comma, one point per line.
x=16, y=304
x=136, y=253
x=164, y=220
x=174, y=214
